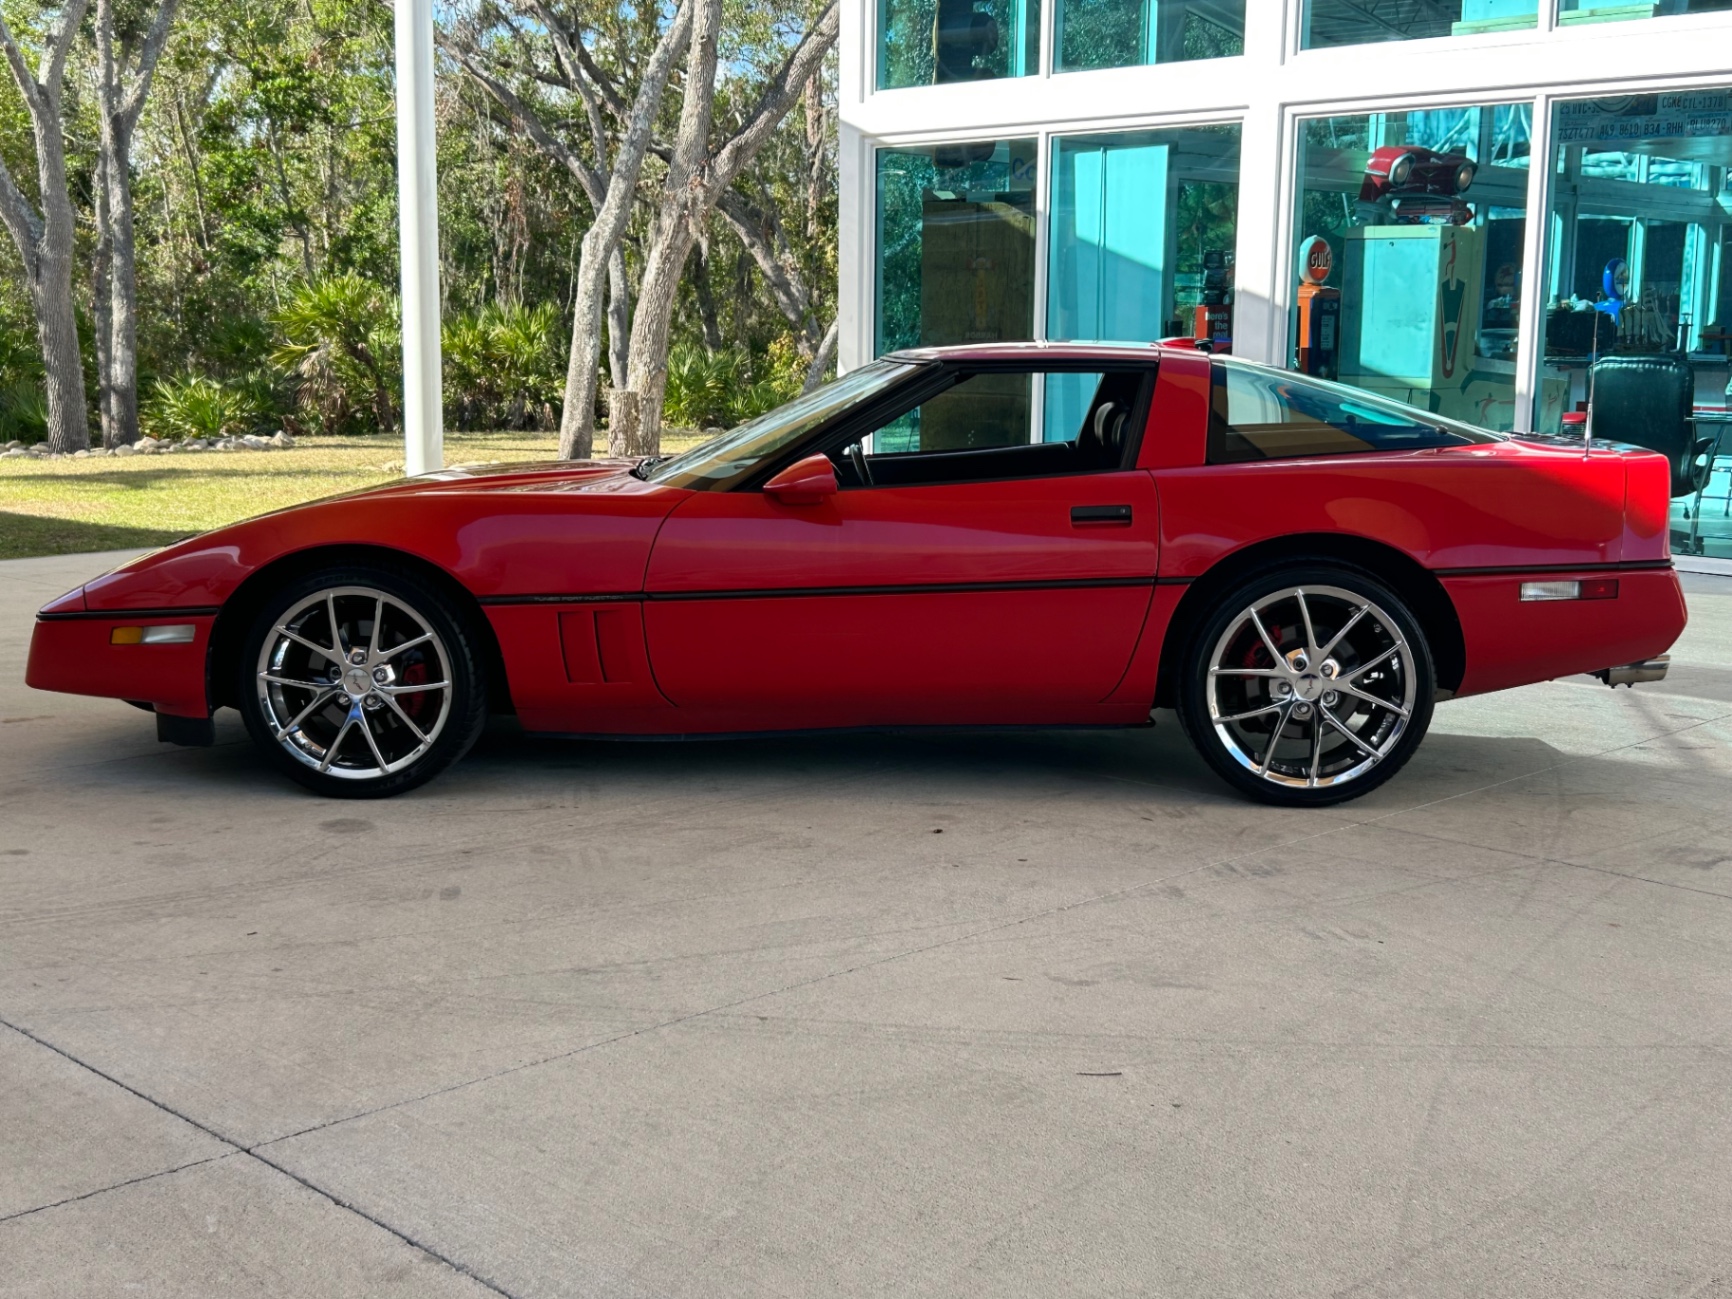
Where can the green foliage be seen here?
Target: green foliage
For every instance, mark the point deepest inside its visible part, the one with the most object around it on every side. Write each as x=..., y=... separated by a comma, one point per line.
x=732, y=385
x=700, y=386
x=197, y=407
x=23, y=404
x=341, y=345
x=23, y=412
x=502, y=367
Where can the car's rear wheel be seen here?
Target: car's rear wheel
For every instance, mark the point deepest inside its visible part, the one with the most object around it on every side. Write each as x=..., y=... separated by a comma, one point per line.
x=361, y=682
x=1307, y=685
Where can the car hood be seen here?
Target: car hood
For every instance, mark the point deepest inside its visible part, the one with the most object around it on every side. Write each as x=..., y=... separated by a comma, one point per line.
x=500, y=530
x=515, y=476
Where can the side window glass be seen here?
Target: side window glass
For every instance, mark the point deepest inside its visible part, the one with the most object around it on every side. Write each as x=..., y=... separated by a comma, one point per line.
x=984, y=410
x=984, y=428
x=1258, y=414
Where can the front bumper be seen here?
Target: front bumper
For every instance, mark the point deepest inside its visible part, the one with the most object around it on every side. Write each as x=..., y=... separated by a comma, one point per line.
x=75, y=653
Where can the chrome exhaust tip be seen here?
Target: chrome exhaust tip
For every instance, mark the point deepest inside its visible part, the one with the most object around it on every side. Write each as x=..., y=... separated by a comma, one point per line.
x=1629, y=674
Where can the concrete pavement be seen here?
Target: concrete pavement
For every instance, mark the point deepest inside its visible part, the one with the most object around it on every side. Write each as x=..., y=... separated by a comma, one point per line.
x=1004, y=1014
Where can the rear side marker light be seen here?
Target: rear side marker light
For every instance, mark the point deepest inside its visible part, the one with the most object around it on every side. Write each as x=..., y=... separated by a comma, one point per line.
x=174, y=633
x=1592, y=588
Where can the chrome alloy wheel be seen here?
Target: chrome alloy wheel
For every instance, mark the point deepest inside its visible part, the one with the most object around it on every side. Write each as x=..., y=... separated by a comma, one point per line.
x=354, y=683
x=1311, y=686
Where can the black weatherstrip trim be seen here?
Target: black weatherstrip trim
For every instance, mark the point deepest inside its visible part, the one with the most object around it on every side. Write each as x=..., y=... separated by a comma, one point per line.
x=1511, y=570
x=794, y=592
x=111, y=615
x=618, y=597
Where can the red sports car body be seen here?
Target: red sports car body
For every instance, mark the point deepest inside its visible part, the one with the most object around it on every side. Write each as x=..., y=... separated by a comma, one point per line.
x=1047, y=535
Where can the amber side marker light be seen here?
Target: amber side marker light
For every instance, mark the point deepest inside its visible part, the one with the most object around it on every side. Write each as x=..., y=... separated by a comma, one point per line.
x=1592, y=588
x=174, y=633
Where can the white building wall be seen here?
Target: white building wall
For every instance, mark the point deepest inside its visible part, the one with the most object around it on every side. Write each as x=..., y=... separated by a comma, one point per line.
x=1268, y=91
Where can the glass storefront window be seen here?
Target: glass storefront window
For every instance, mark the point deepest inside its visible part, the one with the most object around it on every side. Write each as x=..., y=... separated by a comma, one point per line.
x=1127, y=33
x=955, y=250
x=1571, y=12
x=1639, y=278
x=1352, y=22
x=929, y=42
x=1143, y=228
x=1420, y=218
x=955, y=227
x=1141, y=247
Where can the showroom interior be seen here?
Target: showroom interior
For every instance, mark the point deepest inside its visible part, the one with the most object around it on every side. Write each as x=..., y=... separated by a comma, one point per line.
x=1342, y=187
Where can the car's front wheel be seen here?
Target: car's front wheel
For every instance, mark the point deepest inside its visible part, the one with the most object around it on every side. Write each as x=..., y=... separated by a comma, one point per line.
x=1307, y=685
x=361, y=682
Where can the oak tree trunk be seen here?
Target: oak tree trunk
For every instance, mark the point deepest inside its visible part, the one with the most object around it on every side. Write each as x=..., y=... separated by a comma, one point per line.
x=122, y=382
x=57, y=332
x=45, y=239
x=618, y=318
x=101, y=299
x=582, y=370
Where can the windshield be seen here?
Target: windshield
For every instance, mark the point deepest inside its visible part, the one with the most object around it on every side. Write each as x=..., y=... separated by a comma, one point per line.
x=723, y=461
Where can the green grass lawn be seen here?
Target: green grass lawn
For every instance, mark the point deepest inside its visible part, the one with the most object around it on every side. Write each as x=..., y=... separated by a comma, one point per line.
x=61, y=507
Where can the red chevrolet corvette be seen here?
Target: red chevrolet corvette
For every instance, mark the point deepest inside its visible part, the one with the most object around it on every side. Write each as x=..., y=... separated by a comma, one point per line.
x=1033, y=535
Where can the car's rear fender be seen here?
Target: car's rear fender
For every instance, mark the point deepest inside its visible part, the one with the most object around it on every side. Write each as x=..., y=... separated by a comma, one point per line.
x=1416, y=585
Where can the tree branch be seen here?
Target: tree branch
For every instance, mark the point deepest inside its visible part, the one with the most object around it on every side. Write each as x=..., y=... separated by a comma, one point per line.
x=603, y=83
x=21, y=220
x=60, y=45
x=561, y=44
x=148, y=55
x=594, y=186
x=779, y=96
x=826, y=353
x=21, y=73
x=786, y=283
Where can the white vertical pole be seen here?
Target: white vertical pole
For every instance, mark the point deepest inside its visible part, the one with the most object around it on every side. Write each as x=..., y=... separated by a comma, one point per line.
x=1536, y=281
x=418, y=238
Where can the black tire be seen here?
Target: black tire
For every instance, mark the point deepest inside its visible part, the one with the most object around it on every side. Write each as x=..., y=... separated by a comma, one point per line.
x=1376, y=681
x=426, y=696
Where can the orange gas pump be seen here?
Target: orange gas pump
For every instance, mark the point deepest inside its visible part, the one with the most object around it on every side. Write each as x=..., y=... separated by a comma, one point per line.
x=1319, y=350
x=1212, y=318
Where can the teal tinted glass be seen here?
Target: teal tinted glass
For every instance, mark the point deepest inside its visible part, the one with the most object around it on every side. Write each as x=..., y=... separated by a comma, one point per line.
x=955, y=235
x=1128, y=33
x=1351, y=22
x=1143, y=229
x=930, y=42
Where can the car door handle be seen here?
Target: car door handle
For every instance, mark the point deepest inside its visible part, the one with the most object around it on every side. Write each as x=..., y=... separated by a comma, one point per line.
x=1081, y=515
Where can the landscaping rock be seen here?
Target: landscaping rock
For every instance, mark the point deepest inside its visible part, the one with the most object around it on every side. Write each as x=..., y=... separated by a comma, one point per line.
x=282, y=440
x=125, y=451
x=13, y=453
x=255, y=443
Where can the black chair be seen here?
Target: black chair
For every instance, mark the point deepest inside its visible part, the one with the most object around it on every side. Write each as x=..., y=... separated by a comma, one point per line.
x=1646, y=400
